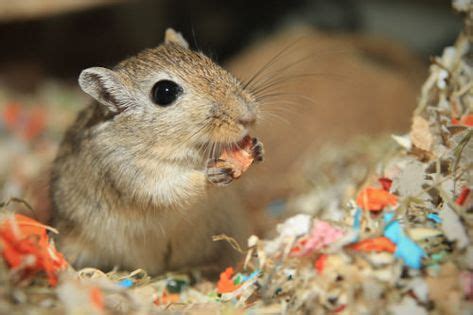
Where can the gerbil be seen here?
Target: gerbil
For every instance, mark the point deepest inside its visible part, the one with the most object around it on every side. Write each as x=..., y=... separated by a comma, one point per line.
x=130, y=181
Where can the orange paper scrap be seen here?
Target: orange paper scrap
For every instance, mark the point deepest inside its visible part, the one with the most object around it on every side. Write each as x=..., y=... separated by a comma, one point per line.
x=25, y=247
x=374, y=199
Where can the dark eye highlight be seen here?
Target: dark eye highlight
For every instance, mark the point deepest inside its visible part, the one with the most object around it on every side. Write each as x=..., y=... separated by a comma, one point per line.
x=165, y=92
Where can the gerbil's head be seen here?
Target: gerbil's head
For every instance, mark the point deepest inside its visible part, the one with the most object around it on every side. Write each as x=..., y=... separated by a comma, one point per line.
x=171, y=95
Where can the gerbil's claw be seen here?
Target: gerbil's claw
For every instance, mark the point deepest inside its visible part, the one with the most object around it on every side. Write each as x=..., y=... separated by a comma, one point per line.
x=220, y=176
x=257, y=150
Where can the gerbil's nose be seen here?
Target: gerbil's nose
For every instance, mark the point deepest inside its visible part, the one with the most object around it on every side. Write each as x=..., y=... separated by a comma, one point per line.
x=247, y=114
x=247, y=119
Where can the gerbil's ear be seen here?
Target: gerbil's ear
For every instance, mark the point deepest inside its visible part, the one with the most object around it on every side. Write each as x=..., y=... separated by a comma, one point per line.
x=171, y=36
x=106, y=87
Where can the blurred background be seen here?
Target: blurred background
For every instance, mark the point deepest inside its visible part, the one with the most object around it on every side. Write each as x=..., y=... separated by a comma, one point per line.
x=60, y=37
x=371, y=57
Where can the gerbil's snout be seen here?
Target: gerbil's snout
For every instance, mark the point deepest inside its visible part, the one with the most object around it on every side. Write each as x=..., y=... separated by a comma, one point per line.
x=248, y=118
x=232, y=120
x=248, y=113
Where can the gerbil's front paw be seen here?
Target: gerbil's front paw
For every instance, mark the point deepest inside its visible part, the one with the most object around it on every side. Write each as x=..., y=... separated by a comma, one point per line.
x=257, y=150
x=220, y=173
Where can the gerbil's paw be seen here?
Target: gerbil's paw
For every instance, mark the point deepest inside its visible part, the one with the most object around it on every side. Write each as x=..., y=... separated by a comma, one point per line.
x=220, y=176
x=257, y=150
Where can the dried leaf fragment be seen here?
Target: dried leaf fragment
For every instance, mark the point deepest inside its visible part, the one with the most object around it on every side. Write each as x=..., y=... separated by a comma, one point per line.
x=420, y=133
x=453, y=227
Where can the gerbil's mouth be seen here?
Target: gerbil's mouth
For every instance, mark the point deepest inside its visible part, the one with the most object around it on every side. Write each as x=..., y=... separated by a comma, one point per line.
x=240, y=142
x=244, y=142
x=229, y=136
x=217, y=148
x=245, y=134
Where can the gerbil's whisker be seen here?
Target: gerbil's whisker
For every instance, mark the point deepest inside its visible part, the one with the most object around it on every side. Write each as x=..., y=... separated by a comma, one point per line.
x=272, y=82
x=207, y=151
x=270, y=114
x=280, y=105
x=212, y=152
x=237, y=145
x=305, y=58
x=197, y=132
x=196, y=45
x=270, y=62
x=262, y=98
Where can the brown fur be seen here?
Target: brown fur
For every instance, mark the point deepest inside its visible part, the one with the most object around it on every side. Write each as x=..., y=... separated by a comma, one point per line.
x=129, y=185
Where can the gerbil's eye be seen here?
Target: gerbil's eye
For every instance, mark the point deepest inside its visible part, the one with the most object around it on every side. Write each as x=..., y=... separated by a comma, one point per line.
x=165, y=92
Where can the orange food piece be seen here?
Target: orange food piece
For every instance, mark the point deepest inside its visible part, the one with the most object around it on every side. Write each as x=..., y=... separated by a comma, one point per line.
x=225, y=283
x=377, y=244
x=239, y=157
x=25, y=246
x=374, y=199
